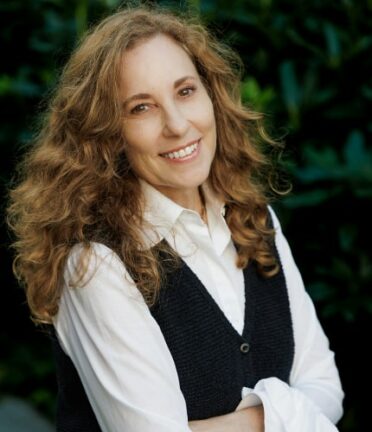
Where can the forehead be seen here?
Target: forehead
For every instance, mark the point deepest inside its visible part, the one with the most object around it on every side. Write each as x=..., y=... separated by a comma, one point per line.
x=155, y=61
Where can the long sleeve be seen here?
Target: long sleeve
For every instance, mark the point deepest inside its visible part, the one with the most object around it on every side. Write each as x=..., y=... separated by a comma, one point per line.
x=118, y=349
x=313, y=399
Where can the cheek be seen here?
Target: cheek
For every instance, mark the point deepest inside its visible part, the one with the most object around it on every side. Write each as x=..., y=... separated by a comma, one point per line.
x=203, y=113
x=140, y=160
x=139, y=140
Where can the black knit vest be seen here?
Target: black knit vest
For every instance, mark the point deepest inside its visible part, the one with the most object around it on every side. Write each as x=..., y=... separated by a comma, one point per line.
x=214, y=362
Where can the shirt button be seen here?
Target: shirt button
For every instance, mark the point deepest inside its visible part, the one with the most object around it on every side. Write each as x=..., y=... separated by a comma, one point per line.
x=244, y=347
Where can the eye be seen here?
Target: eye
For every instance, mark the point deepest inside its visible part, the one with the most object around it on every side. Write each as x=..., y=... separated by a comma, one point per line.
x=187, y=91
x=138, y=109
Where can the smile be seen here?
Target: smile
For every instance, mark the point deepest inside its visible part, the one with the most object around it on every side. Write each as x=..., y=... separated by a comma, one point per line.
x=183, y=153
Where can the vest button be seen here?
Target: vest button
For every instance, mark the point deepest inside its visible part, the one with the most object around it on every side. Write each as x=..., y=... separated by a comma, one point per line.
x=244, y=347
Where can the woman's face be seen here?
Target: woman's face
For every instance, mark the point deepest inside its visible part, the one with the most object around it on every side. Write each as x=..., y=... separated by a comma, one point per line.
x=169, y=123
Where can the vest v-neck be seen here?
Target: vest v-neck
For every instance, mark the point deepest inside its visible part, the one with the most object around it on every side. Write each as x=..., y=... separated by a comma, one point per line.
x=248, y=308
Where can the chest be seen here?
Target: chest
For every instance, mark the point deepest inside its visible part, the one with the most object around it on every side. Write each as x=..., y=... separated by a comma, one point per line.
x=213, y=360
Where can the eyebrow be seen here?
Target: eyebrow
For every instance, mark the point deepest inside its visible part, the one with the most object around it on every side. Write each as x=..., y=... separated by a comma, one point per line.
x=148, y=96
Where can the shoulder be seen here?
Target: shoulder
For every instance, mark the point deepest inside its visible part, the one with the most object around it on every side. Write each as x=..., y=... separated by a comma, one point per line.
x=92, y=255
x=93, y=261
x=97, y=292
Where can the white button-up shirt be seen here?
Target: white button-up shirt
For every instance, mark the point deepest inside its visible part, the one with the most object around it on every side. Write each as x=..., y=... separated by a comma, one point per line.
x=121, y=356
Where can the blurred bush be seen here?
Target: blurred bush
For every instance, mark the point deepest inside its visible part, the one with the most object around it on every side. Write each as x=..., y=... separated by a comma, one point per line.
x=308, y=67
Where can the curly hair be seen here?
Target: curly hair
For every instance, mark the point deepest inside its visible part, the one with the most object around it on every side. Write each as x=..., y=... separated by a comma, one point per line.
x=77, y=186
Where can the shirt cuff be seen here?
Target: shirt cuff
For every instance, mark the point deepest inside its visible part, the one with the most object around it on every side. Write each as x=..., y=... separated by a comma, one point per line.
x=286, y=409
x=249, y=399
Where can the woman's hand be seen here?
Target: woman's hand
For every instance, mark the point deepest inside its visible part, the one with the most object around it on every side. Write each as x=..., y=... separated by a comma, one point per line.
x=246, y=420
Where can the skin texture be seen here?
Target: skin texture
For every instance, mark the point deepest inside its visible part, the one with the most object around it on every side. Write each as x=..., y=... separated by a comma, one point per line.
x=246, y=420
x=168, y=118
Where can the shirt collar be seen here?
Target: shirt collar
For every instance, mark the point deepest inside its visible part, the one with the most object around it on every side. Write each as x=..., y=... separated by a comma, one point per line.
x=161, y=214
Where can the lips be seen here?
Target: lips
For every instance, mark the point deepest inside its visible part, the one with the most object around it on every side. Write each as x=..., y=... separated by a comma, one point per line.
x=178, y=149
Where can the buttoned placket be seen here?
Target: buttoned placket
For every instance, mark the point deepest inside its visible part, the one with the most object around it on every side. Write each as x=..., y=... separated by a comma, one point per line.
x=207, y=249
x=212, y=252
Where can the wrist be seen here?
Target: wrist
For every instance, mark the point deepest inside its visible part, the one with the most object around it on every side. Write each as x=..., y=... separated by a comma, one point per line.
x=252, y=419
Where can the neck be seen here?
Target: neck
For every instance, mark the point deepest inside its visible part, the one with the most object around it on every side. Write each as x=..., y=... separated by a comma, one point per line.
x=191, y=199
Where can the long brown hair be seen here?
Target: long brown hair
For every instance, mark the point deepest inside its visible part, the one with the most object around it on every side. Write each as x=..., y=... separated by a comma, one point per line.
x=76, y=184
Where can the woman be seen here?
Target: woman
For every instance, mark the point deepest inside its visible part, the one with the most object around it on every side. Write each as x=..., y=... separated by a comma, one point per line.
x=145, y=237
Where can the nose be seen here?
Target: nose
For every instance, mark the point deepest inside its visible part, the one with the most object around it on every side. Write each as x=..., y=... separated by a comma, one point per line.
x=175, y=121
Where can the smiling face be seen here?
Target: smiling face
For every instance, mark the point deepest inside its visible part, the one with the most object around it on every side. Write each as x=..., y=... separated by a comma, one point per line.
x=169, y=123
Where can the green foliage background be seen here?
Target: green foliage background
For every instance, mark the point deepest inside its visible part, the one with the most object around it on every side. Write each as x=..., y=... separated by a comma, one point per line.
x=308, y=67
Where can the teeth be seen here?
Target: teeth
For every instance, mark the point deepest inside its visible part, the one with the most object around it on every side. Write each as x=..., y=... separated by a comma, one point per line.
x=181, y=153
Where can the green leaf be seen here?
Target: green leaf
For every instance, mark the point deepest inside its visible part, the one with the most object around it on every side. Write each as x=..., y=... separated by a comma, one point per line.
x=255, y=96
x=194, y=4
x=81, y=16
x=325, y=157
x=322, y=96
x=354, y=150
x=320, y=291
x=111, y=3
x=362, y=44
x=295, y=37
x=290, y=88
x=333, y=44
x=5, y=84
x=291, y=91
x=42, y=46
x=307, y=199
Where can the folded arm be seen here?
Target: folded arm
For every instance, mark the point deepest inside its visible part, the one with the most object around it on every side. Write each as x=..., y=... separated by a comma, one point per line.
x=246, y=420
x=312, y=401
